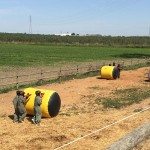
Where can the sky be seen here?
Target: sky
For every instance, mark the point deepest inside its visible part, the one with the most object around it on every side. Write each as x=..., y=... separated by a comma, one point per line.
x=104, y=17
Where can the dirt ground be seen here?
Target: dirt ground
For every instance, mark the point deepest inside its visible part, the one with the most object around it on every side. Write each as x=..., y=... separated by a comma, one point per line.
x=79, y=116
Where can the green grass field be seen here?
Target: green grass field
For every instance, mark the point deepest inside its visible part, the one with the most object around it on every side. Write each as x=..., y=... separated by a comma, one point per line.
x=34, y=55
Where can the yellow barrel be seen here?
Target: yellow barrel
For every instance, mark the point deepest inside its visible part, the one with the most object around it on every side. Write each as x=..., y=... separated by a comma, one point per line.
x=109, y=72
x=50, y=102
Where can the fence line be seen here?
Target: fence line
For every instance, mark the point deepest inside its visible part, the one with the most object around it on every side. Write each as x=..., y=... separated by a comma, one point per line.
x=43, y=75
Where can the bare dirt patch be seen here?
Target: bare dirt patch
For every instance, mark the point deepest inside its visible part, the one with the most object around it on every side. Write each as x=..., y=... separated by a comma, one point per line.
x=81, y=113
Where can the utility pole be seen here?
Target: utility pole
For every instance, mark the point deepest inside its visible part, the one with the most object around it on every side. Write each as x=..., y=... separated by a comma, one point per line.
x=30, y=25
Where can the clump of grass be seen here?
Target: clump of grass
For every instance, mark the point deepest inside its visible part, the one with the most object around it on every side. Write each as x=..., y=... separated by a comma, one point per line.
x=64, y=114
x=7, y=89
x=126, y=97
x=96, y=88
x=98, y=100
x=110, y=103
x=3, y=115
x=73, y=109
x=138, y=109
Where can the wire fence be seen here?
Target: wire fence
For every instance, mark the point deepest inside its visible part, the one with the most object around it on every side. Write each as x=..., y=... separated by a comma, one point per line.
x=22, y=77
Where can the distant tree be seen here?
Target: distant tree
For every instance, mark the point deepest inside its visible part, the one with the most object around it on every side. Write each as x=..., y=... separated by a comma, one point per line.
x=73, y=34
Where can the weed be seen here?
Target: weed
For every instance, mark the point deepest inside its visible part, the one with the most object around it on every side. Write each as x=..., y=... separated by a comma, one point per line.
x=96, y=88
x=138, y=110
x=64, y=114
x=7, y=89
x=98, y=100
x=3, y=115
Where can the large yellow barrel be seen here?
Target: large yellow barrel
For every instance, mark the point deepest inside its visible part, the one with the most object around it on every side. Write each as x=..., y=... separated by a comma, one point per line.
x=109, y=72
x=50, y=102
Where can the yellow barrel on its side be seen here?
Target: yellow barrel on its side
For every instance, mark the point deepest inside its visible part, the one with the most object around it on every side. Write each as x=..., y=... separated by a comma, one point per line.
x=109, y=72
x=50, y=102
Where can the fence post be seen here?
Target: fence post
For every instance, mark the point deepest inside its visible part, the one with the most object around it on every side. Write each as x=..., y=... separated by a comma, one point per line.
x=90, y=69
x=123, y=64
x=97, y=66
x=77, y=71
x=41, y=76
x=131, y=62
x=17, y=81
x=60, y=75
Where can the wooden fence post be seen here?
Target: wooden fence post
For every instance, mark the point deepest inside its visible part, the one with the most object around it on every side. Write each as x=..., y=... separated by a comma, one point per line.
x=41, y=76
x=77, y=71
x=60, y=75
x=17, y=86
x=131, y=62
x=123, y=63
x=90, y=69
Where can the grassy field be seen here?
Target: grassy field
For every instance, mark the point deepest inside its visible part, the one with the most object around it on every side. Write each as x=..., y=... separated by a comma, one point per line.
x=34, y=55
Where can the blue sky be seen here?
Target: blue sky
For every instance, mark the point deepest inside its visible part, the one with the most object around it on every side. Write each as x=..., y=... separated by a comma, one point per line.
x=105, y=17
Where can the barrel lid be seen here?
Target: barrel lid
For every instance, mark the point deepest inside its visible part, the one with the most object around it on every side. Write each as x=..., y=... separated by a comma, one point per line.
x=54, y=104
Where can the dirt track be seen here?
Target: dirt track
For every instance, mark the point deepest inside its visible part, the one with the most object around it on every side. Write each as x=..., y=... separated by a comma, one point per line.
x=78, y=116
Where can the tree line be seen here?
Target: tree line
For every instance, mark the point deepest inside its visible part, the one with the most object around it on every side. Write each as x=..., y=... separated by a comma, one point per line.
x=76, y=39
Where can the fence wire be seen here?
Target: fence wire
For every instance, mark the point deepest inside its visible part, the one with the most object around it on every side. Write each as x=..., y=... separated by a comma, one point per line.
x=27, y=77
